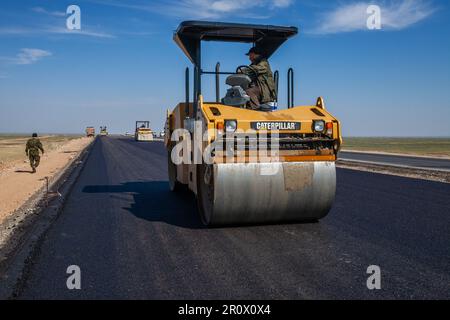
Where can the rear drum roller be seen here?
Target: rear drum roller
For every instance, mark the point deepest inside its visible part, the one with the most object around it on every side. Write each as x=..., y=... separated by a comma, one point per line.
x=174, y=184
x=205, y=192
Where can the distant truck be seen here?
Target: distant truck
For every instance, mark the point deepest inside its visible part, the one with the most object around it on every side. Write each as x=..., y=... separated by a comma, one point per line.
x=103, y=131
x=90, y=132
x=143, y=131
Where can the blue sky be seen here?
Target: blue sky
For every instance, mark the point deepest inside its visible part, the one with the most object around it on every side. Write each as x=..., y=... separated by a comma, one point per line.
x=123, y=65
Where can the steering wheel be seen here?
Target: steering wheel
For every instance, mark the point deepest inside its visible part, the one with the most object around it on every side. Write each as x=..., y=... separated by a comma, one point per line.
x=239, y=69
x=250, y=72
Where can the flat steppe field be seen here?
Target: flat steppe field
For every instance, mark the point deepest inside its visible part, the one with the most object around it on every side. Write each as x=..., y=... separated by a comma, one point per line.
x=12, y=147
x=435, y=147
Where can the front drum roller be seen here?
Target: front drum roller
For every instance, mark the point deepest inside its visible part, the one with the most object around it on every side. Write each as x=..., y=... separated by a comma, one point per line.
x=248, y=193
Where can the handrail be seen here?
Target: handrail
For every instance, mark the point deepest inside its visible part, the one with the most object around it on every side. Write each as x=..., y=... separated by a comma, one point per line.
x=290, y=101
x=187, y=91
x=217, y=82
x=276, y=77
x=217, y=73
x=221, y=73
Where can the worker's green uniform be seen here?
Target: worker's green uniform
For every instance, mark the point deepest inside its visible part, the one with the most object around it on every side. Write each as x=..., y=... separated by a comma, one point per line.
x=32, y=150
x=263, y=88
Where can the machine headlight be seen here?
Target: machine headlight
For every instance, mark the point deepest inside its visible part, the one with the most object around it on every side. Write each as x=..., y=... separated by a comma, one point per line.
x=319, y=126
x=230, y=126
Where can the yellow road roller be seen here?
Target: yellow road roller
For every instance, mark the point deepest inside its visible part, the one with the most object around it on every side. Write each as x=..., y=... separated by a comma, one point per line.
x=143, y=131
x=90, y=132
x=249, y=166
x=103, y=131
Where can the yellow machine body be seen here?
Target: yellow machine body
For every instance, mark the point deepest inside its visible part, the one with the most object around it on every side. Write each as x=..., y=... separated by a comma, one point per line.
x=143, y=134
x=301, y=180
x=103, y=132
x=90, y=132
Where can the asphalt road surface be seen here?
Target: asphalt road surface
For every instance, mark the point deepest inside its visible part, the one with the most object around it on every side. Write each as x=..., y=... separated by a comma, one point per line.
x=409, y=161
x=134, y=239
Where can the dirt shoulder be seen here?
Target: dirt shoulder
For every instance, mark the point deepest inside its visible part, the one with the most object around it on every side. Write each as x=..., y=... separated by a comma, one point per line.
x=12, y=147
x=18, y=184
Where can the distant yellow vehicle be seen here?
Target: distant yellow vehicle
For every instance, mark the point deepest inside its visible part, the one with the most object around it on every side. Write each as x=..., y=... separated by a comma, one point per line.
x=90, y=132
x=103, y=131
x=143, y=131
x=296, y=182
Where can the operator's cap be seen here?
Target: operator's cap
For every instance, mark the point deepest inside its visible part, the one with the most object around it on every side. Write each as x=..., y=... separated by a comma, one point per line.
x=34, y=135
x=254, y=50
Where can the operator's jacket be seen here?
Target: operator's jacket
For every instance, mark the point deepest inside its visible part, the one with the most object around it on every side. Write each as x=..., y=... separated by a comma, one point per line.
x=33, y=147
x=262, y=76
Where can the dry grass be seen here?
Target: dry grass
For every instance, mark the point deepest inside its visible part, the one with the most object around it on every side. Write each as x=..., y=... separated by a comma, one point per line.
x=416, y=146
x=12, y=147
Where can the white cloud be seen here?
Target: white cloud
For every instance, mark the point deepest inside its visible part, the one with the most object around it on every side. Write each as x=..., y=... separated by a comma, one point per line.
x=53, y=25
x=30, y=56
x=15, y=31
x=408, y=13
x=50, y=13
x=82, y=32
x=395, y=15
x=8, y=31
x=206, y=9
x=282, y=3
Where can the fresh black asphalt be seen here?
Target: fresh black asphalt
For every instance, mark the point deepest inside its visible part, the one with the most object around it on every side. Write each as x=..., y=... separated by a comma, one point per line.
x=134, y=239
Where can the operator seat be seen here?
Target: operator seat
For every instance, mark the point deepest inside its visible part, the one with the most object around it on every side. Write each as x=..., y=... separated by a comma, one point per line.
x=236, y=95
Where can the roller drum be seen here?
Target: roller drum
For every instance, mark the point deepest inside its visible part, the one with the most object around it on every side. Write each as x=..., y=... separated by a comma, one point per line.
x=238, y=193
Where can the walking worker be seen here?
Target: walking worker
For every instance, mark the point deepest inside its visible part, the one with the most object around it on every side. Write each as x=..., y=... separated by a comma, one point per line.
x=32, y=151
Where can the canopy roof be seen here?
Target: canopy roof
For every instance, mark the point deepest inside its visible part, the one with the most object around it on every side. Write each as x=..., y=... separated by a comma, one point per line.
x=267, y=38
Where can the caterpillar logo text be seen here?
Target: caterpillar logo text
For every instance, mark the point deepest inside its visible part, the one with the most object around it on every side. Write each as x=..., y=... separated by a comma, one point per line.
x=275, y=125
